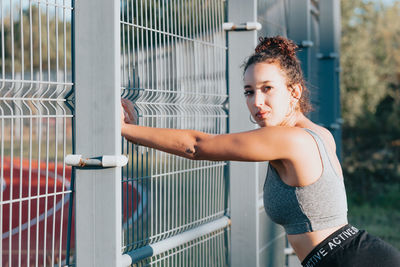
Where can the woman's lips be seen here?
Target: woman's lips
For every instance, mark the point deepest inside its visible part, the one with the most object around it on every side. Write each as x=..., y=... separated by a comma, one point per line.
x=261, y=114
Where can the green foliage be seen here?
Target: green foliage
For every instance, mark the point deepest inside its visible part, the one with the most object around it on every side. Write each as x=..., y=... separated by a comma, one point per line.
x=38, y=40
x=370, y=91
x=377, y=221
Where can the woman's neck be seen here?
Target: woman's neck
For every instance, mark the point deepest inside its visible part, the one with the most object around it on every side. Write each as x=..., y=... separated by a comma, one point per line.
x=297, y=119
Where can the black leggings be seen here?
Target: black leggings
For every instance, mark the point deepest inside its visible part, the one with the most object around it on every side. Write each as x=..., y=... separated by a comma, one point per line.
x=350, y=247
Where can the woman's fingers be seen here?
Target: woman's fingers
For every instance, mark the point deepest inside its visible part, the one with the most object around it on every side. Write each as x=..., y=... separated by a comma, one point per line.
x=130, y=115
x=123, y=117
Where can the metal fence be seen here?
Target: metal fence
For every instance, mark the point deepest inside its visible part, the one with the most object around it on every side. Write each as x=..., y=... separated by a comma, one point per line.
x=173, y=69
x=35, y=132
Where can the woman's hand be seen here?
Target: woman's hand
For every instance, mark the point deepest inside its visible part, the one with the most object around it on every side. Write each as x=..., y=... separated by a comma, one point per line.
x=128, y=113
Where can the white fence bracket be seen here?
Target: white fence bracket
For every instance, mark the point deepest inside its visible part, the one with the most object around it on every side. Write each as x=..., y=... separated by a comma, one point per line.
x=103, y=161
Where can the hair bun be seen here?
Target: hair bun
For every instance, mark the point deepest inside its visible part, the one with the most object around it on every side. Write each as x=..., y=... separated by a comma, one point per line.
x=277, y=45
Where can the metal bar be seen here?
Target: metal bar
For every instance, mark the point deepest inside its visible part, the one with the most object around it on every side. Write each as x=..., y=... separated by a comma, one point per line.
x=36, y=82
x=175, y=241
x=11, y=134
x=194, y=40
x=34, y=116
x=30, y=145
x=98, y=192
x=329, y=78
x=35, y=197
x=21, y=141
x=299, y=25
x=32, y=99
x=243, y=176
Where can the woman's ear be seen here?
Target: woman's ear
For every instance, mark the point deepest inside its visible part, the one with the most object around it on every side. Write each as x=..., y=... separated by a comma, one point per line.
x=297, y=90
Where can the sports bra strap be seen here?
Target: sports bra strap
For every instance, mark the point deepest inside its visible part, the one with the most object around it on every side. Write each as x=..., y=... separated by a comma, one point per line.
x=326, y=161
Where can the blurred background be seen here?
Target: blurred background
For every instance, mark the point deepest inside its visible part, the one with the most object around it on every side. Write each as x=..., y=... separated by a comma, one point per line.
x=370, y=100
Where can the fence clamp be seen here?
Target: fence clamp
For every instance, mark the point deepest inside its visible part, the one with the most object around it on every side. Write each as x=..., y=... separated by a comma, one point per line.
x=331, y=55
x=103, y=161
x=306, y=43
x=248, y=26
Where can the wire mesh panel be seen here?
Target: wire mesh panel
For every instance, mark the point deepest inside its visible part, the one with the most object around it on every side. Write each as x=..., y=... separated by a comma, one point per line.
x=173, y=69
x=208, y=250
x=35, y=131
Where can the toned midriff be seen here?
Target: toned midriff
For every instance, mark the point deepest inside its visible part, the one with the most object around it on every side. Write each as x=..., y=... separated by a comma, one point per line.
x=304, y=243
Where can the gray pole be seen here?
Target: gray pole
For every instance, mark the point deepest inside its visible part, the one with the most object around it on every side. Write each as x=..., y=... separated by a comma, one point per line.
x=299, y=31
x=97, y=94
x=329, y=83
x=243, y=176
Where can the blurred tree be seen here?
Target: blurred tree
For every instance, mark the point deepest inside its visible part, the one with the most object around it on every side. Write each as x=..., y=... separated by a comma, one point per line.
x=370, y=91
x=36, y=40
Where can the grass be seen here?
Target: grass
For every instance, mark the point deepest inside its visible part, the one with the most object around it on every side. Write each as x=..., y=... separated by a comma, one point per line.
x=377, y=220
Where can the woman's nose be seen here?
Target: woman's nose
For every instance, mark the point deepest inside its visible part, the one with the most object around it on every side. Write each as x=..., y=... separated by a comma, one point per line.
x=258, y=99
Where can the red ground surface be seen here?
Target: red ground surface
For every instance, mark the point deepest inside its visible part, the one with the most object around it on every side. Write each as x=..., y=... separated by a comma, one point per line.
x=38, y=224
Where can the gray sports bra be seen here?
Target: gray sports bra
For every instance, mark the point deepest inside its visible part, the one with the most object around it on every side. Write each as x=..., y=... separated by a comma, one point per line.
x=317, y=206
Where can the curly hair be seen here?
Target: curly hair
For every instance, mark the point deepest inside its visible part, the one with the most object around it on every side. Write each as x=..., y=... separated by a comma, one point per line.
x=282, y=51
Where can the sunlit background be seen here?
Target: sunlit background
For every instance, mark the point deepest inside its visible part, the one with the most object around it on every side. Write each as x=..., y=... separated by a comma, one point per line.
x=370, y=99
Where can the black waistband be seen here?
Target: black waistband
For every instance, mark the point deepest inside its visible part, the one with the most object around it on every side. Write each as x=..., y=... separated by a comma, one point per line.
x=329, y=245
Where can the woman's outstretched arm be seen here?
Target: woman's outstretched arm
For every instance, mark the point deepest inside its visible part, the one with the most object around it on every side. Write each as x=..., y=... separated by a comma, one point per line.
x=267, y=143
x=174, y=141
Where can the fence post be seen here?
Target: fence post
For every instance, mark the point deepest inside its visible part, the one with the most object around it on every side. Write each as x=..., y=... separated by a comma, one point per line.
x=243, y=176
x=329, y=83
x=299, y=31
x=97, y=105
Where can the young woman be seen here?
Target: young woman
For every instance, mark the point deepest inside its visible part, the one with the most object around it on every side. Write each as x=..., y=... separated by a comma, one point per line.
x=304, y=189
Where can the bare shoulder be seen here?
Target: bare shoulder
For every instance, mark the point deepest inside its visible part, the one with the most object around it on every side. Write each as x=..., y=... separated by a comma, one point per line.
x=295, y=140
x=330, y=144
x=322, y=132
x=327, y=137
x=288, y=135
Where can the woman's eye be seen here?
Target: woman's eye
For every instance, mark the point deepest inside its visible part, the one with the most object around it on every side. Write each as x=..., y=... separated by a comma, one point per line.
x=247, y=93
x=267, y=88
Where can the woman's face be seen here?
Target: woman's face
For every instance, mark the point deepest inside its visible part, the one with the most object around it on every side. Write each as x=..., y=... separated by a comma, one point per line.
x=267, y=96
